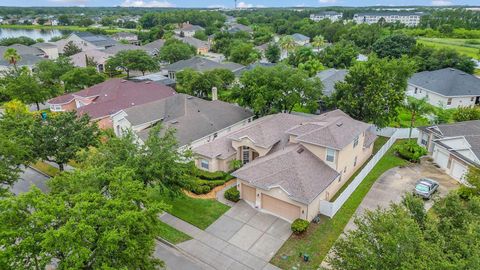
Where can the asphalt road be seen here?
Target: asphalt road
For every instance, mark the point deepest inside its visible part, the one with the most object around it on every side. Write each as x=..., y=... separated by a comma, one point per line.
x=175, y=260
x=28, y=178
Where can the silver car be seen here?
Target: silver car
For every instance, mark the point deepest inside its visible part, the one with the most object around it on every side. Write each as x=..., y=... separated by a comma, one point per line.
x=425, y=188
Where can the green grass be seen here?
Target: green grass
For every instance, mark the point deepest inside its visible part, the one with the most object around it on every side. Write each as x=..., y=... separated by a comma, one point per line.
x=45, y=168
x=460, y=45
x=404, y=117
x=171, y=234
x=477, y=72
x=376, y=147
x=198, y=212
x=319, y=238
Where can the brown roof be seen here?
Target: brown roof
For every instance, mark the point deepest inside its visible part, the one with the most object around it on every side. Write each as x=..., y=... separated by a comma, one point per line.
x=301, y=174
x=114, y=95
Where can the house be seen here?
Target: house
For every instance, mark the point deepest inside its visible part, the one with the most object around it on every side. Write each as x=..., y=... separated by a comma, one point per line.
x=154, y=46
x=237, y=27
x=202, y=46
x=406, y=18
x=130, y=37
x=187, y=30
x=454, y=147
x=96, y=57
x=330, y=77
x=50, y=50
x=238, y=73
x=199, y=64
x=105, y=99
x=195, y=120
x=27, y=60
x=126, y=47
x=86, y=41
x=333, y=16
x=300, y=40
x=157, y=77
x=23, y=50
x=291, y=162
x=447, y=88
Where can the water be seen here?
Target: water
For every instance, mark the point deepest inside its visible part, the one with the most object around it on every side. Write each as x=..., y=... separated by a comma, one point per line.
x=45, y=34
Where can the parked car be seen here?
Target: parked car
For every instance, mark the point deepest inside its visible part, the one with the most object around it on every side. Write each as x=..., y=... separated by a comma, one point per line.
x=425, y=188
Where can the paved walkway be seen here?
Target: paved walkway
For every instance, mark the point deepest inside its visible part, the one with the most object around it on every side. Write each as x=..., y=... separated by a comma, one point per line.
x=243, y=238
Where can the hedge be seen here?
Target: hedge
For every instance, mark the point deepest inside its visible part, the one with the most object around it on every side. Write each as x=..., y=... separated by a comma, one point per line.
x=232, y=194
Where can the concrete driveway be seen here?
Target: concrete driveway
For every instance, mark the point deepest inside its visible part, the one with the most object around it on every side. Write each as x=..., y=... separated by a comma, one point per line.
x=396, y=182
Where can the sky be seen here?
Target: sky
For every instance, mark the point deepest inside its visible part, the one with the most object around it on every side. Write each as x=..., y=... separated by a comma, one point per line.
x=230, y=3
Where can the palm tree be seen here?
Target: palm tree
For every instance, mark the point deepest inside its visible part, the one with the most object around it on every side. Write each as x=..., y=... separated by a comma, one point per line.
x=11, y=55
x=318, y=41
x=287, y=43
x=416, y=107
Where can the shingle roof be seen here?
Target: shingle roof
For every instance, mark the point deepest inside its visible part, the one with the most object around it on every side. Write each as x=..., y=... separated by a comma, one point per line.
x=195, y=42
x=300, y=37
x=465, y=128
x=447, y=82
x=329, y=77
x=240, y=71
x=294, y=169
x=22, y=49
x=157, y=44
x=201, y=64
x=97, y=40
x=124, y=47
x=189, y=27
x=26, y=60
x=115, y=95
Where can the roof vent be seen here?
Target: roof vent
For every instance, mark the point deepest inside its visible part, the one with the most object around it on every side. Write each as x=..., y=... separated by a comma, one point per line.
x=124, y=81
x=174, y=122
x=148, y=82
x=189, y=97
x=339, y=124
x=300, y=150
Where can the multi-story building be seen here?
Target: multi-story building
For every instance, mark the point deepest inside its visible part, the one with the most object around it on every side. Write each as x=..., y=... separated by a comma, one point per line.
x=407, y=18
x=330, y=15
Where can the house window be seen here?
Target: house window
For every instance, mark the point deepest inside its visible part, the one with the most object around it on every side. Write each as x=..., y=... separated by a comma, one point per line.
x=416, y=89
x=215, y=135
x=204, y=164
x=345, y=169
x=330, y=155
x=119, y=130
x=56, y=108
x=355, y=162
x=424, y=140
x=472, y=99
x=245, y=154
x=449, y=101
x=355, y=142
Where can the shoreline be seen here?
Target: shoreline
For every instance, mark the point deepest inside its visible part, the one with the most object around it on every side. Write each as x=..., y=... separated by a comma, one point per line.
x=72, y=28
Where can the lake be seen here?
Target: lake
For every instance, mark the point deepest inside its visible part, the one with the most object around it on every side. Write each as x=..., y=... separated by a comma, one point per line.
x=45, y=34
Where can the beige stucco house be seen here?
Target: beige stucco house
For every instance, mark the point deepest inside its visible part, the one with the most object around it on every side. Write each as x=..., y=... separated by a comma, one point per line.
x=291, y=162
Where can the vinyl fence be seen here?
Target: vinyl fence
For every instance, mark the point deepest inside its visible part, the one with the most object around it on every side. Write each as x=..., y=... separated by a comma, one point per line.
x=329, y=209
x=400, y=133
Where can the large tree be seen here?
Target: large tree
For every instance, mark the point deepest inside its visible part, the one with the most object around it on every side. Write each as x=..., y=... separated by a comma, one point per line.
x=175, y=50
x=49, y=72
x=416, y=107
x=60, y=136
x=200, y=84
x=129, y=60
x=80, y=78
x=12, y=57
x=394, y=46
x=287, y=43
x=71, y=49
x=340, y=55
x=373, y=90
x=243, y=53
x=268, y=90
x=272, y=53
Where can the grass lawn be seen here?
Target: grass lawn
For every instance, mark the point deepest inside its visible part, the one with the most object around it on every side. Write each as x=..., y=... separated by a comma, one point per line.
x=198, y=212
x=172, y=235
x=45, y=168
x=468, y=47
x=319, y=238
x=404, y=117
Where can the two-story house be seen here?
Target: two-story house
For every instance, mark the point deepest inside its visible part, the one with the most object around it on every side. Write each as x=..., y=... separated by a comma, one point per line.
x=187, y=29
x=291, y=162
x=447, y=88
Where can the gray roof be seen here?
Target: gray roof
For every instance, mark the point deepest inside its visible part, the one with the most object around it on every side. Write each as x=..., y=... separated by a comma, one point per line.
x=239, y=72
x=26, y=60
x=294, y=169
x=330, y=13
x=189, y=27
x=124, y=47
x=236, y=27
x=192, y=118
x=157, y=77
x=300, y=37
x=157, y=44
x=41, y=45
x=466, y=128
x=97, y=40
x=448, y=82
x=22, y=49
x=388, y=13
x=195, y=42
x=329, y=77
x=201, y=64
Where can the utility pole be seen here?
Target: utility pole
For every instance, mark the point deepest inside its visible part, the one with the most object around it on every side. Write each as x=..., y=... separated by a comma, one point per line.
x=235, y=4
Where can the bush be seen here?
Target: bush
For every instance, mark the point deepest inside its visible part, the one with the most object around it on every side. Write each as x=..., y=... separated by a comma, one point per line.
x=466, y=114
x=410, y=151
x=209, y=175
x=232, y=194
x=198, y=189
x=299, y=226
x=210, y=183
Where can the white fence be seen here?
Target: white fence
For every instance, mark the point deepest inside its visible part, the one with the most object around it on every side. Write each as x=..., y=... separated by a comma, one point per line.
x=400, y=133
x=329, y=209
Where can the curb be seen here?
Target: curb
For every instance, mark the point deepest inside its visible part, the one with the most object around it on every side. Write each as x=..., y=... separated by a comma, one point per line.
x=40, y=172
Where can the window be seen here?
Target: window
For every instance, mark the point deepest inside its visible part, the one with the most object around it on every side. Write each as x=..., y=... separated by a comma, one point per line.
x=345, y=169
x=245, y=154
x=330, y=155
x=355, y=162
x=204, y=164
x=472, y=98
x=119, y=130
x=355, y=142
x=449, y=101
x=56, y=108
x=416, y=89
x=215, y=135
x=424, y=141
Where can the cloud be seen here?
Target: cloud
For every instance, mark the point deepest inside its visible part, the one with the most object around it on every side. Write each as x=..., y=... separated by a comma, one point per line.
x=327, y=1
x=216, y=6
x=441, y=3
x=141, y=3
x=245, y=5
x=70, y=2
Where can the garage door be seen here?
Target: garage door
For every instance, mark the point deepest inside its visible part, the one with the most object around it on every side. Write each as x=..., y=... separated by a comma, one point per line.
x=248, y=193
x=280, y=208
x=441, y=159
x=458, y=170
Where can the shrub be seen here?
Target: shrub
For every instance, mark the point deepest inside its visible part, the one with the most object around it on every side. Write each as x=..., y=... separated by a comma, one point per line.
x=198, y=189
x=299, y=226
x=466, y=114
x=209, y=175
x=410, y=151
x=210, y=183
x=232, y=194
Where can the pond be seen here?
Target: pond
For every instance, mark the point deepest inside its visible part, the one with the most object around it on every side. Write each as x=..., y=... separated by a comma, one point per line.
x=45, y=34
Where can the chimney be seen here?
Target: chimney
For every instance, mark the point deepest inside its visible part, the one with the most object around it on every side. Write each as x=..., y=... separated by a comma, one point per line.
x=214, y=93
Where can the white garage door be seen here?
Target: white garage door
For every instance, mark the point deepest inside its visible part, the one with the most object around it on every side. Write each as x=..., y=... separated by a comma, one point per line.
x=441, y=158
x=458, y=170
x=280, y=208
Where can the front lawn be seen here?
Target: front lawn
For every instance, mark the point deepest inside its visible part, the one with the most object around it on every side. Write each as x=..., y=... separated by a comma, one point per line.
x=319, y=238
x=198, y=212
x=171, y=234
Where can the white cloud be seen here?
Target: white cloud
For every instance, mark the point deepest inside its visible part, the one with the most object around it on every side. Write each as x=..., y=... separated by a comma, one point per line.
x=141, y=3
x=441, y=3
x=217, y=6
x=70, y=2
x=245, y=5
x=327, y=1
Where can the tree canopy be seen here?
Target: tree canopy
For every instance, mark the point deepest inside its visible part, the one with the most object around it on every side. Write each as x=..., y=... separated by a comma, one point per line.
x=175, y=50
x=129, y=60
x=200, y=84
x=80, y=78
x=394, y=46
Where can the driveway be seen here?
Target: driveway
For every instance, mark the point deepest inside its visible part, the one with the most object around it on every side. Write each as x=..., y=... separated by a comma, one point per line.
x=28, y=178
x=396, y=182
x=243, y=238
